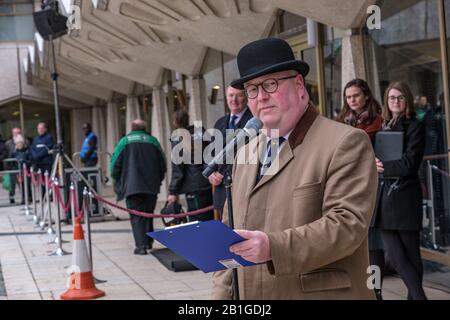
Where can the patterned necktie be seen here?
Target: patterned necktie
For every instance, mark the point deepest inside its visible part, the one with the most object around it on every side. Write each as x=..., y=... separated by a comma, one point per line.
x=232, y=124
x=273, y=147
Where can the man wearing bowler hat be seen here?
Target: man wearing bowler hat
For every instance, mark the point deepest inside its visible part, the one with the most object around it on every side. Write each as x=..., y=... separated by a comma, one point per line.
x=305, y=206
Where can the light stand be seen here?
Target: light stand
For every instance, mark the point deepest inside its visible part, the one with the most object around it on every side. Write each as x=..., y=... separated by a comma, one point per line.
x=51, y=24
x=60, y=145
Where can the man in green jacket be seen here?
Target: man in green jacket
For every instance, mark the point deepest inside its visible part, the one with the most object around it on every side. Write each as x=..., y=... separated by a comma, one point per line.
x=138, y=167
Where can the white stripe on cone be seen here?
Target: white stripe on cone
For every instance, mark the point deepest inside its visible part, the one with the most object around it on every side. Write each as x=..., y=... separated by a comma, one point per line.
x=80, y=257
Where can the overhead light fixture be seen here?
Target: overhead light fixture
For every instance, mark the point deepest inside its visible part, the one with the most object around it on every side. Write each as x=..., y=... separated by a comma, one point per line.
x=15, y=113
x=36, y=114
x=123, y=108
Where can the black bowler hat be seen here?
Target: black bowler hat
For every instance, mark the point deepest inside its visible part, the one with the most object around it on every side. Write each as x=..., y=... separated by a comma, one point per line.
x=265, y=56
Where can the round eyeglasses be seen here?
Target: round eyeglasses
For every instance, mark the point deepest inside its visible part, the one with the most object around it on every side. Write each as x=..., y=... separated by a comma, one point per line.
x=268, y=85
x=399, y=98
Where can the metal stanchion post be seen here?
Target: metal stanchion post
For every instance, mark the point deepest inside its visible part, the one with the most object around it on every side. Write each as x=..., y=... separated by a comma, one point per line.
x=87, y=198
x=33, y=195
x=49, y=205
x=25, y=183
x=87, y=225
x=72, y=202
x=58, y=239
x=431, y=204
x=39, y=192
x=45, y=197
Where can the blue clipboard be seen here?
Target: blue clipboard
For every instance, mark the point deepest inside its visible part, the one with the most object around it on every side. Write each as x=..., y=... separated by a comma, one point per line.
x=204, y=244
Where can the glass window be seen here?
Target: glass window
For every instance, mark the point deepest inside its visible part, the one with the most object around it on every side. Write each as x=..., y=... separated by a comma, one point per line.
x=291, y=21
x=24, y=8
x=333, y=76
x=16, y=28
x=312, y=85
x=5, y=8
x=407, y=48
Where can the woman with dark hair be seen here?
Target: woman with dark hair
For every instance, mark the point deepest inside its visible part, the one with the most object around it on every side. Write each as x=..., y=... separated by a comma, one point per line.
x=187, y=175
x=360, y=108
x=398, y=211
x=363, y=111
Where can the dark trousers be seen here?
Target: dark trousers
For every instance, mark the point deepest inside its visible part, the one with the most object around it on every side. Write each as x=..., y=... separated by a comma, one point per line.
x=12, y=192
x=15, y=183
x=403, y=250
x=376, y=258
x=140, y=225
x=198, y=200
x=92, y=162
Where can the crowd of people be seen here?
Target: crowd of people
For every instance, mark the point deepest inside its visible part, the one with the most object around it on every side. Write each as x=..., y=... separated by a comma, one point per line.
x=316, y=222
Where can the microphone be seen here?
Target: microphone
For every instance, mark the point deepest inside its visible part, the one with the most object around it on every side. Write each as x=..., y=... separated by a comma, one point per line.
x=250, y=130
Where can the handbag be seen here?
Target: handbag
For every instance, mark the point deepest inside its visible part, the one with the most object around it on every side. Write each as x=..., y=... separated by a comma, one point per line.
x=7, y=182
x=172, y=208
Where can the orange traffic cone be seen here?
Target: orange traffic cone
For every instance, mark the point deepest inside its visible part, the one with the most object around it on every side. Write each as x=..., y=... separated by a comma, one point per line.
x=81, y=285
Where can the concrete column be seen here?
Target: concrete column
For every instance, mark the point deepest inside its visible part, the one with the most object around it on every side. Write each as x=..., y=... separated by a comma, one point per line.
x=132, y=112
x=373, y=77
x=353, y=62
x=160, y=119
x=112, y=131
x=77, y=119
x=99, y=128
x=197, y=91
x=161, y=130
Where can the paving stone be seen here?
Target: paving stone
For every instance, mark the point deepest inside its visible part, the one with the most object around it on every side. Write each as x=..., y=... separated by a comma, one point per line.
x=128, y=276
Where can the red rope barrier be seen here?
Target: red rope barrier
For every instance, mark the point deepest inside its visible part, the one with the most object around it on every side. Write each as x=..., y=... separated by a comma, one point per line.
x=442, y=172
x=79, y=212
x=65, y=207
x=33, y=179
x=42, y=180
x=153, y=215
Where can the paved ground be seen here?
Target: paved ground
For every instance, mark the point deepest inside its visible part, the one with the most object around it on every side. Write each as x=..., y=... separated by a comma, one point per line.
x=29, y=273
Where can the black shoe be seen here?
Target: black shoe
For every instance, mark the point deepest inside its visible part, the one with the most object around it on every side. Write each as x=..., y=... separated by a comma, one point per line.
x=12, y=201
x=140, y=251
x=378, y=294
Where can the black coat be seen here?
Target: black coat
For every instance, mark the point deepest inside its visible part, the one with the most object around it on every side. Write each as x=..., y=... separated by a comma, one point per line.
x=40, y=156
x=222, y=125
x=187, y=177
x=402, y=208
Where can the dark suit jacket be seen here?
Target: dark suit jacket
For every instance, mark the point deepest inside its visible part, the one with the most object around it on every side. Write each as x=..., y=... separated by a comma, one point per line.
x=402, y=208
x=222, y=125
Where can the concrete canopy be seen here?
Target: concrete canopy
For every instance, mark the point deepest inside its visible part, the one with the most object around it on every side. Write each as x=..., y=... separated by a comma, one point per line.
x=125, y=41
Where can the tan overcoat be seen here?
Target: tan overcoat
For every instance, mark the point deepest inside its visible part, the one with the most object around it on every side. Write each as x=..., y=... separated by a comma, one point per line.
x=315, y=207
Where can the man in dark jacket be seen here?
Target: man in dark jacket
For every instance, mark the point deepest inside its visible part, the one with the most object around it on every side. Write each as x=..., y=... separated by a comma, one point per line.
x=40, y=148
x=237, y=119
x=187, y=175
x=138, y=167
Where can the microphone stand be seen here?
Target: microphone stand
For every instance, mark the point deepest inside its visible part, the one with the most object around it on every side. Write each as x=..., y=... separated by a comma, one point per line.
x=228, y=183
x=254, y=124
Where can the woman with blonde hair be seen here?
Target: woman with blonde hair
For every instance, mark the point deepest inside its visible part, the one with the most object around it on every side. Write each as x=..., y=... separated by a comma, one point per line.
x=398, y=210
